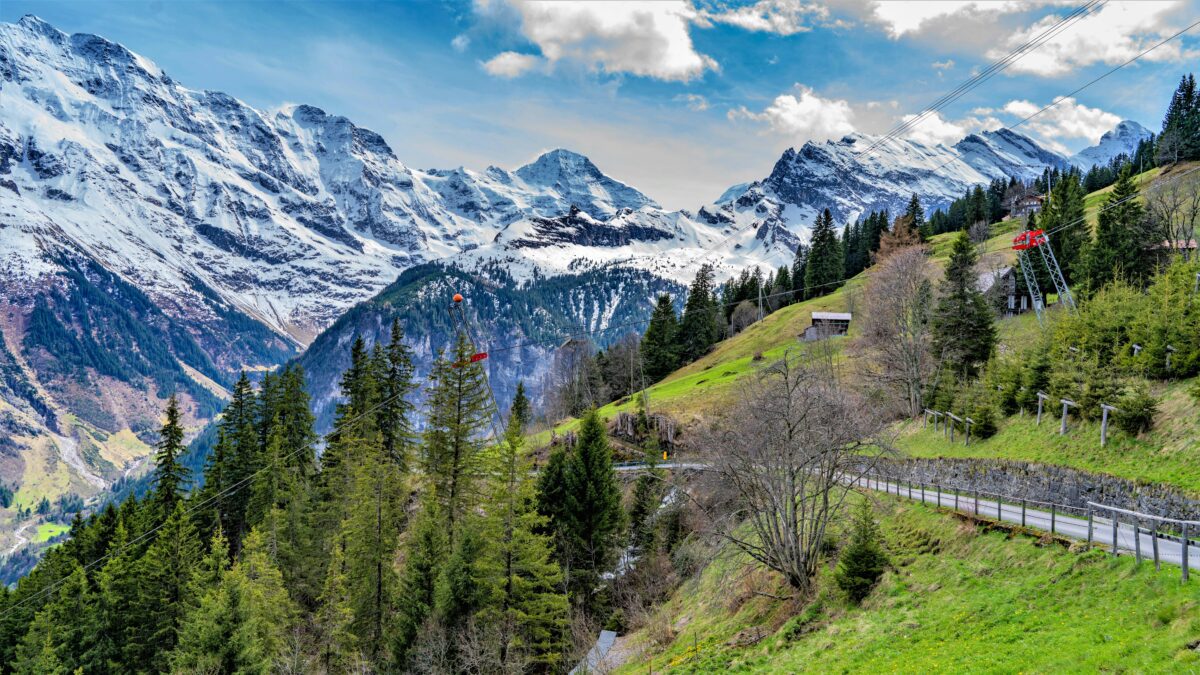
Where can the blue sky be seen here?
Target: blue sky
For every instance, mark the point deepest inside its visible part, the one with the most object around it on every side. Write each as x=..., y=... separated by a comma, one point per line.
x=680, y=99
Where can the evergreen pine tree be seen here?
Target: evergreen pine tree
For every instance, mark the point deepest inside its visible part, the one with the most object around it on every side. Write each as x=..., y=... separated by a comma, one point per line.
x=117, y=584
x=915, y=214
x=170, y=476
x=425, y=556
x=335, y=615
x=371, y=533
x=458, y=594
x=592, y=516
x=241, y=460
x=660, y=345
x=519, y=576
x=963, y=330
x=552, y=497
x=459, y=416
x=698, y=328
x=1064, y=208
x=799, y=271
x=863, y=561
x=71, y=624
x=1117, y=251
x=241, y=624
x=395, y=411
x=824, y=270
x=521, y=409
x=164, y=593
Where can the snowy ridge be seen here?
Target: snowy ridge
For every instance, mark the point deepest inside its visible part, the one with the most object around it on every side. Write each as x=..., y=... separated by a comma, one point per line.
x=293, y=215
x=1122, y=139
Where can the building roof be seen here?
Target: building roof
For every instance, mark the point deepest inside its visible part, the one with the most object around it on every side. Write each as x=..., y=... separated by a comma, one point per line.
x=988, y=278
x=832, y=316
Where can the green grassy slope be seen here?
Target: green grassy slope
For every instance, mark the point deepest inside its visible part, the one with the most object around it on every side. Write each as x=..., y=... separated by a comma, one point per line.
x=1167, y=454
x=959, y=599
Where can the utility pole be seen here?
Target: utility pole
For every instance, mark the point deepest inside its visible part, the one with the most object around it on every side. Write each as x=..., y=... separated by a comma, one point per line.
x=760, y=307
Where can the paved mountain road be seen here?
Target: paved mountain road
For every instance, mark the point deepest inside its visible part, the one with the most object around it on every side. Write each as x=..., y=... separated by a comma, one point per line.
x=1170, y=548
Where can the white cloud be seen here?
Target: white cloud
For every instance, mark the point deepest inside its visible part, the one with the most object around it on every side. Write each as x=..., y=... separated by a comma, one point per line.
x=803, y=117
x=511, y=64
x=648, y=39
x=782, y=17
x=942, y=65
x=461, y=42
x=694, y=101
x=933, y=129
x=1069, y=119
x=901, y=18
x=1116, y=33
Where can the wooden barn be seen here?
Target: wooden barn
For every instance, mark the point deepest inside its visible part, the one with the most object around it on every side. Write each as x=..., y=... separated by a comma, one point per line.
x=827, y=324
x=1002, y=289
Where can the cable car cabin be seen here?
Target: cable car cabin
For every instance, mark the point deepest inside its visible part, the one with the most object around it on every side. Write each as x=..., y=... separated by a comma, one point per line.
x=1000, y=287
x=827, y=324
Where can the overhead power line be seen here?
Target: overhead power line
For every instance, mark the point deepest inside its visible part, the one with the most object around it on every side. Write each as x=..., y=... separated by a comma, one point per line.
x=994, y=69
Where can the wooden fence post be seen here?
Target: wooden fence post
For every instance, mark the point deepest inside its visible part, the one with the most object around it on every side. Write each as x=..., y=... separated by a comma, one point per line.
x=1053, y=517
x=1114, y=528
x=1022, y=513
x=1137, y=541
x=1041, y=399
x=1154, y=545
x=1066, y=404
x=1104, y=423
x=1089, y=527
x=976, y=501
x=1185, y=552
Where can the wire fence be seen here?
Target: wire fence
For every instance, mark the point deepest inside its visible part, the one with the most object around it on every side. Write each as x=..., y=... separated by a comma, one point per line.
x=1158, y=538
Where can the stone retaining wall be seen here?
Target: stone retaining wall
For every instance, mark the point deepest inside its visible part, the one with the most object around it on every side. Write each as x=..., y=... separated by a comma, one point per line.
x=1042, y=482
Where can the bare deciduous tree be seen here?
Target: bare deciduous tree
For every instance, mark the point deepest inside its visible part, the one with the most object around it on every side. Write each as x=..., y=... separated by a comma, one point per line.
x=1174, y=211
x=896, y=331
x=789, y=452
x=745, y=314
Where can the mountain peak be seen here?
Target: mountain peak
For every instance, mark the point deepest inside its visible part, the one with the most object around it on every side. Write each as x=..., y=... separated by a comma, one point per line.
x=36, y=24
x=560, y=160
x=1123, y=139
x=580, y=181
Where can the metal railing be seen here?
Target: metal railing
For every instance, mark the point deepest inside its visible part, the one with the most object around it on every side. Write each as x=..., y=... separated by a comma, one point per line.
x=1127, y=527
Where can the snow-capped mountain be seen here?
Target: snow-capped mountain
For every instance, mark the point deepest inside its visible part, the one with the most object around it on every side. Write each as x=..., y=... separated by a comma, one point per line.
x=849, y=177
x=156, y=238
x=1121, y=139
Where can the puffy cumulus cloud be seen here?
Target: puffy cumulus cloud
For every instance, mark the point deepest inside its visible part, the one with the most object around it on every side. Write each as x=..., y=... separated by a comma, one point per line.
x=511, y=64
x=461, y=42
x=782, y=17
x=1114, y=34
x=803, y=116
x=901, y=18
x=650, y=39
x=933, y=129
x=942, y=65
x=1067, y=120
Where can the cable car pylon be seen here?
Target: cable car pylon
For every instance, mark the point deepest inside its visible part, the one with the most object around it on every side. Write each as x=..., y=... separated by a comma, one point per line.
x=1038, y=239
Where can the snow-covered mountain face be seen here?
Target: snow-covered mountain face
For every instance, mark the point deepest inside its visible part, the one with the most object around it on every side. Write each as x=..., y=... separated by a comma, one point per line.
x=155, y=238
x=1122, y=139
x=849, y=178
x=291, y=215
